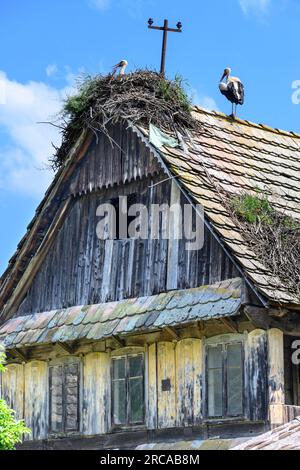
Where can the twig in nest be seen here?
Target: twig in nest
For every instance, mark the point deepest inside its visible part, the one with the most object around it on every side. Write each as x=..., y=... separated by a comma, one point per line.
x=275, y=239
x=141, y=97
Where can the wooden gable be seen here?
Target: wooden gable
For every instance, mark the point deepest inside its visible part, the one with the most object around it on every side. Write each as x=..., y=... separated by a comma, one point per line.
x=74, y=267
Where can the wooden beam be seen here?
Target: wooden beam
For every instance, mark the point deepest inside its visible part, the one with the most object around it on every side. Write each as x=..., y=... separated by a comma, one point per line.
x=278, y=312
x=172, y=332
x=261, y=318
x=65, y=347
x=201, y=326
x=258, y=317
x=34, y=265
x=231, y=324
x=19, y=354
x=121, y=342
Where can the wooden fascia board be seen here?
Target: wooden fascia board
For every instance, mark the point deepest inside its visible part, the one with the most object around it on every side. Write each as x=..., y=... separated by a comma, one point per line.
x=33, y=266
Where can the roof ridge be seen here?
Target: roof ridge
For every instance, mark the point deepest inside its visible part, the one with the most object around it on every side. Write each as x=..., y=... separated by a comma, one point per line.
x=264, y=127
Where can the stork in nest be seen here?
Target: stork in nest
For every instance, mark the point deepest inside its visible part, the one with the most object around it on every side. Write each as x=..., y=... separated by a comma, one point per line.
x=233, y=89
x=121, y=66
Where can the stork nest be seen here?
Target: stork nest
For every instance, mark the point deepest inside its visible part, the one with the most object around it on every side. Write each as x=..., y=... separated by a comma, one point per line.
x=274, y=237
x=142, y=97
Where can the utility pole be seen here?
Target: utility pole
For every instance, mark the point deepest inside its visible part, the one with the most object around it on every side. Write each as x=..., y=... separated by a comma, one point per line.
x=165, y=28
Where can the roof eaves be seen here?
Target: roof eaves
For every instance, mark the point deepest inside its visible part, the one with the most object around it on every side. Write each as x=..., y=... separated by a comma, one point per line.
x=198, y=109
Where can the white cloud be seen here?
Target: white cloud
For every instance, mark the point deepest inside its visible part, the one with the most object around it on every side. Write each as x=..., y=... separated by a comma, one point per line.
x=51, y=70
x=206, y=102
x=101, y=4
x=27, y=144
x=255, y=6
x=133, y=7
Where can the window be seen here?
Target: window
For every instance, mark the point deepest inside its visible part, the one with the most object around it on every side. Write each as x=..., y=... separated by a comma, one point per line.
x=128, y=396
x=225, y=380
x=64, y=397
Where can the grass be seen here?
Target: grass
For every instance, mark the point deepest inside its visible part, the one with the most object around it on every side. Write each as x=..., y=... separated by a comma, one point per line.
x=141, y=97
x=274, y=236
x=252, y=208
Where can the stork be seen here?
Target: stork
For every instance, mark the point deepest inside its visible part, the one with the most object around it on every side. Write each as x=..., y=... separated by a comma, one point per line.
x=233, y=89
x=122, y=66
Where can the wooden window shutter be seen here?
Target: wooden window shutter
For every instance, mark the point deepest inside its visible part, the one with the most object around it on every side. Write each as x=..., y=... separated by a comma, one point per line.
x=64, y=397
x=56, y=399
x=71, y=393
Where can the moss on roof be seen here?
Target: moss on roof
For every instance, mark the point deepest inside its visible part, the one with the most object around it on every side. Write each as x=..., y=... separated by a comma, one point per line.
x=142, y=97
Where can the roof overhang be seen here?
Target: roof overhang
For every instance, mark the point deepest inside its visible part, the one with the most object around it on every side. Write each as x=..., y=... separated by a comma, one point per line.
x=126, y=317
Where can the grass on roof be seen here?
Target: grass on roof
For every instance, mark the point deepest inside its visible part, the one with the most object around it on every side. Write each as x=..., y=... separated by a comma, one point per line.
x=273, y=236
x=142, y=97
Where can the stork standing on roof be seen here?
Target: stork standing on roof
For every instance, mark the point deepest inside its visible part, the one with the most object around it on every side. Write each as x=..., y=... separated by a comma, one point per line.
x=233, y=89
x=122, y=66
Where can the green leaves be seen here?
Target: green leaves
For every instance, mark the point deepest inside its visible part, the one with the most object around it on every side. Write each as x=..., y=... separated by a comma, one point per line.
x=77, y=104
x=174, y=91
x=142, y=97
x=11, y=430
x=273, y=236
x=2, y=358
x=252, y=208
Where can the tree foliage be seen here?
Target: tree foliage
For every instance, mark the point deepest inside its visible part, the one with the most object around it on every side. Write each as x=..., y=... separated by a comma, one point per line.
x=11, y=430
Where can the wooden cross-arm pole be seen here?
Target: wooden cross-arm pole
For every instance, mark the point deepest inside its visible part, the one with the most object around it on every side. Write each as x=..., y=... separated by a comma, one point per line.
x=165, y=28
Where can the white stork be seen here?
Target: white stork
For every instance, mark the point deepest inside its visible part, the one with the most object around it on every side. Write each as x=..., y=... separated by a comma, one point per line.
x=233, y=89
x=122, y=66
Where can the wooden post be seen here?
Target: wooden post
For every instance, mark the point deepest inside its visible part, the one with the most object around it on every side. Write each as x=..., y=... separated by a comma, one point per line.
x=164, y=48
x=165, y=28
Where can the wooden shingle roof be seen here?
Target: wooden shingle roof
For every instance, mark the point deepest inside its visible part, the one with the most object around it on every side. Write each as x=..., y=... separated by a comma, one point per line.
x=125, y=317
x=283, y=438
x=239, y=156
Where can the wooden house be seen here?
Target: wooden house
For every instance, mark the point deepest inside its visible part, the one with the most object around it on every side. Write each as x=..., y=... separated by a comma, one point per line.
x=120, y=342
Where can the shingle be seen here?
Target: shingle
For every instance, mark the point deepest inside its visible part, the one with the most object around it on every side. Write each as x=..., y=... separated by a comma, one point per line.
x=8, y=339
x=126, y=316
x=55, y=319
x=11, y=327
x=79, y=317
x=175, y=316
x=241, y=156
x=70, y=316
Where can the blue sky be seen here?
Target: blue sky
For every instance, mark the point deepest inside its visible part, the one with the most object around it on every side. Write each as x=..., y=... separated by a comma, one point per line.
x=44, y=45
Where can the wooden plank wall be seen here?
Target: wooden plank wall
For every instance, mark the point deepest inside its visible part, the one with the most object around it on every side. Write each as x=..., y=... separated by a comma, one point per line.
x=115, y=161
x=174, y=385
x=152, y=386
x=276, y=376
x=96, y=394
x=36, y=399
x=257, y=375
x=80, y=269
x=282, y=414
x=189, y=364
x=12, y=388
x=166, y=385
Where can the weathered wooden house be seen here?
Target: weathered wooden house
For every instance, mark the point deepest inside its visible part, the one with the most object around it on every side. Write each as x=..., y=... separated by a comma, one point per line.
x=116, y=343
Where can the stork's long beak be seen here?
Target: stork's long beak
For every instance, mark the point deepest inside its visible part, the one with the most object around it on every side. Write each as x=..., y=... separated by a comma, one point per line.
x=223, y=76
